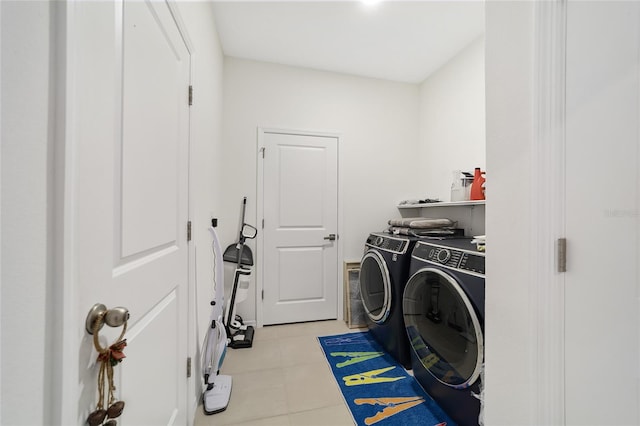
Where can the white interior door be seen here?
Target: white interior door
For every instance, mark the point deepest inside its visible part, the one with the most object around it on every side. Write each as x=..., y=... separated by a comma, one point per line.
x=602, y=224
x=129, y=186
x=300, y=207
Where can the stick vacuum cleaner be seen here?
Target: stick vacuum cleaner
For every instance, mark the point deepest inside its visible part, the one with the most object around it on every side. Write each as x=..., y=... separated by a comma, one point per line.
x=217, y=391
x=239, y=334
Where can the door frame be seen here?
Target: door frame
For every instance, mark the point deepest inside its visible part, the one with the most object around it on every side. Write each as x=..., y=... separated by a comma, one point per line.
x=64, y=392
x=260, y=215
x=547, y=282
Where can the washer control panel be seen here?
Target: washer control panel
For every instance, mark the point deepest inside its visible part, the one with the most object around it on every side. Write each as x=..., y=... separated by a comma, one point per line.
x=387, y=243
x=454, y=258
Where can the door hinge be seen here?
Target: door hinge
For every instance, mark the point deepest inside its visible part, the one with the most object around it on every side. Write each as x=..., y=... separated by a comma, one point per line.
x=262, y=294
x=189, y=231
x=262, y=223
x=190, y=95
x=562, y=254
x=262, y=150
x=188, y=367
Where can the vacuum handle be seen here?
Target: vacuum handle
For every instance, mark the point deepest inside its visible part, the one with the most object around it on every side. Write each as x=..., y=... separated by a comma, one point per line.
x=244, y=207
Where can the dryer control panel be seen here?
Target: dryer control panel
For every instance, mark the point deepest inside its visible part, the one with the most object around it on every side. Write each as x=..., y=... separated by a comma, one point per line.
x=387, y=243
x=450, y=257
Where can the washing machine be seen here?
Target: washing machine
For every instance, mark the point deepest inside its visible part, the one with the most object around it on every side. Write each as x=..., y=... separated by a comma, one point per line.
x=443, y=310
x=384, y=269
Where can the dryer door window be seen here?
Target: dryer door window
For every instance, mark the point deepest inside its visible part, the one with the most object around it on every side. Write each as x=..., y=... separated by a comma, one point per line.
x=443, y=328
x=375, y=286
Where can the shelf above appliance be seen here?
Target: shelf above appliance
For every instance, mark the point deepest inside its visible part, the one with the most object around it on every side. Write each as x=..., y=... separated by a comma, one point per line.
x=442, y=204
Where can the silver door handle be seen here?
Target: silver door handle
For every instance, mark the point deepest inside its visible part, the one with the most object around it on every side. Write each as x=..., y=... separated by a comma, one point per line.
x=330, y=237
x=114, y=317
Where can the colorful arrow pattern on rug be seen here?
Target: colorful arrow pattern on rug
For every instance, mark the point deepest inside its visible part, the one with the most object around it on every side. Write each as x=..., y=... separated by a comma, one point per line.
x=392, y=406
x=386, y=399
x=370, y=377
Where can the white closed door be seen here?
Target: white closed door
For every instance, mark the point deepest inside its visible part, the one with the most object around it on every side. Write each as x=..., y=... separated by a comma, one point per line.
x=300, y=206
x=127, y=193
x=602, y=335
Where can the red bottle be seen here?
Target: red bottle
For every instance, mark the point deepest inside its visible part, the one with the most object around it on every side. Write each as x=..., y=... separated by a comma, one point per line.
x=477, y=187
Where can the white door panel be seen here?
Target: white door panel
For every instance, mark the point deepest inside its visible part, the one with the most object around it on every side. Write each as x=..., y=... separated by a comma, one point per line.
x=143, y=385
x=130, y=190
x=602, y=345
x=293, y=266
x=150, y=128
x=300, y=270
x=301, y=179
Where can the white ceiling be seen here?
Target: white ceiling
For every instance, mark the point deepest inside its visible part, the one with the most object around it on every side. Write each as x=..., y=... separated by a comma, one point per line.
x=393, y=40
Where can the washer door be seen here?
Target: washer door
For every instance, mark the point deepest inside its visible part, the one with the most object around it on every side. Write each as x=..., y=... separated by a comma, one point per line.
x=443, y=328
x=375, y=286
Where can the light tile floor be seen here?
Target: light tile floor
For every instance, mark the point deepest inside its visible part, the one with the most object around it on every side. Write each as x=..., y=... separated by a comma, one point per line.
x=283, y=380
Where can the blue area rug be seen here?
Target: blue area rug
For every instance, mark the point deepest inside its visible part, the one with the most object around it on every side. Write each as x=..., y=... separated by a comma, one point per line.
x=375, y=387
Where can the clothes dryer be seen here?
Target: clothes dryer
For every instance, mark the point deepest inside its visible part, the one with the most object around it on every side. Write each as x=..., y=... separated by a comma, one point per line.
x=384, y=269
x=443, y=309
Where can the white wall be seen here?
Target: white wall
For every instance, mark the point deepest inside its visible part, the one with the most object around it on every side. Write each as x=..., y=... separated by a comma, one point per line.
x=510, y=394
x=378, y=123
x=206, y=168
x=26, y=206
x=452, y=120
